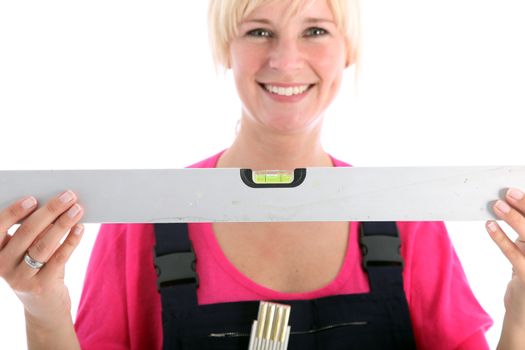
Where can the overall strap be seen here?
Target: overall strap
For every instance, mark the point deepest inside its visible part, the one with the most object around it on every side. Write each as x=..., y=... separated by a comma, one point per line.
x=381, y=255
x=351, y=318
x=175, y=263
x=174, y=256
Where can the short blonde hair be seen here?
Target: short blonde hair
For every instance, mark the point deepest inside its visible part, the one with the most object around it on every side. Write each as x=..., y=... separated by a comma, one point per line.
x=224, y=17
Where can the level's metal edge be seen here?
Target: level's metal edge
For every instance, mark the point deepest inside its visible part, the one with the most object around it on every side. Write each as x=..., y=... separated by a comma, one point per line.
x=327, y=194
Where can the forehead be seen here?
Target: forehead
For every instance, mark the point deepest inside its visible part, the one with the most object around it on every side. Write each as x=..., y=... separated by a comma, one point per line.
x=285, y=10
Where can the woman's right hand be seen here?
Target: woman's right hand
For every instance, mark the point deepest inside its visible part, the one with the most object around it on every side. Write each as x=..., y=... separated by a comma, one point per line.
x=42, y=290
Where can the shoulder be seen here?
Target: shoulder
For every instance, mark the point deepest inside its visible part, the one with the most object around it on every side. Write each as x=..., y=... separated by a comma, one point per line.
x=427, y=239
x=119, y=232
x=423, y=231
x=426, y=249
x=121, y=240
x=338, y=163
x=210, y=162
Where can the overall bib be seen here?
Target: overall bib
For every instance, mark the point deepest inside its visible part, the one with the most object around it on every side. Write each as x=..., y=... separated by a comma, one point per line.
x=376, y=320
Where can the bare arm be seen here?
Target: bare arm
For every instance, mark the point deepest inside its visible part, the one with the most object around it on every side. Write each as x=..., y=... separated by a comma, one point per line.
x=60, y=335
x=512, y=335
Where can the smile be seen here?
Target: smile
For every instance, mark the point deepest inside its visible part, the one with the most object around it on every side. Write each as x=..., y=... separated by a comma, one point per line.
x=286, y=91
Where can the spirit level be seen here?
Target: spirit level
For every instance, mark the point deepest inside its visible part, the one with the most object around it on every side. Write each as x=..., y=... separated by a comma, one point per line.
x=243, y=195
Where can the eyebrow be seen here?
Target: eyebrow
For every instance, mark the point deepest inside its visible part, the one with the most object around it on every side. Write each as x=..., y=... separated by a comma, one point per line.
x=307, y=20
x=319, y=20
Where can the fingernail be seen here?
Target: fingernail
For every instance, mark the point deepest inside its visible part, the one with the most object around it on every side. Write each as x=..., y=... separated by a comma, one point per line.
x=492, y=226
x=78, y=230
x=73, y=211
x=28, y=203
x=66, y=197
x=503, y=207
x=515, y=194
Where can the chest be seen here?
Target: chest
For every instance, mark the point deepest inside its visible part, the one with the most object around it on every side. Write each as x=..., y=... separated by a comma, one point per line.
x=286, y=257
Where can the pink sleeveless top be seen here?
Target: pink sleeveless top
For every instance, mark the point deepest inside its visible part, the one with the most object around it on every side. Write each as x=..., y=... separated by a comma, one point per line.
x=120, y=306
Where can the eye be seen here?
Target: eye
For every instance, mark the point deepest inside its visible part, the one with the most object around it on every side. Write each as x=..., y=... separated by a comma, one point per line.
x=315, y=31
x=260, y=33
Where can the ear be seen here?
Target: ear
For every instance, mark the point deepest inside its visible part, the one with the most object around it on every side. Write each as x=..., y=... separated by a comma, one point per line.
x=351, y=60
x=228, y=59
x=350, y=53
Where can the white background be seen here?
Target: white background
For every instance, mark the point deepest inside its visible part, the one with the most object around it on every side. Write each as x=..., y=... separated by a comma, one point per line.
x=114, y=84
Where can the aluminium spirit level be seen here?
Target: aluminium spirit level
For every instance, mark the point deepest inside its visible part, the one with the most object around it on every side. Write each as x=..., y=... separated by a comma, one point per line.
x=243, y=195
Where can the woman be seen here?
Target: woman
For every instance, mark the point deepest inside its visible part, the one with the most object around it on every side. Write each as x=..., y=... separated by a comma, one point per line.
x=287, y=58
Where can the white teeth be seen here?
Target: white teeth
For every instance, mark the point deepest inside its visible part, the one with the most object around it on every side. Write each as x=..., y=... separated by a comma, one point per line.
x=289, y=91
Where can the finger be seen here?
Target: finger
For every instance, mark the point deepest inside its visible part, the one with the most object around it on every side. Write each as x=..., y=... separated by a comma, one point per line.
x=17, y=263
x=37, y=222
x=61, y=256
x=511, y=216
x=19, y=268
x=14, y=213
x=509, y=249
x=517, y=199
x=520, y=244
x=46, y=243
x=5, y=240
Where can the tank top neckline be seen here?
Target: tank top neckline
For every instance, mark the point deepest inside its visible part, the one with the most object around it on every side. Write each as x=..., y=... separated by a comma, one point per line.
x=330, y=288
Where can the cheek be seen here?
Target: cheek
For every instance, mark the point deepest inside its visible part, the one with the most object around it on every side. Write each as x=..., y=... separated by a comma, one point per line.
x=331, y=79
x=246, y=61
x=245, y=67
x=329, y=66
x=329, y=62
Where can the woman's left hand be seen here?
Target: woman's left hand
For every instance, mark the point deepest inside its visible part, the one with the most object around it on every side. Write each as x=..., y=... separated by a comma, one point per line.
x=512, y=211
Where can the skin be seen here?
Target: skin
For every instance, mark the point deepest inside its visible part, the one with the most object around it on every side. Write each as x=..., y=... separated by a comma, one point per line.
x=305, y=49
x=512, y=211
x=47, y=305
x=273, y=135
x=284, y=52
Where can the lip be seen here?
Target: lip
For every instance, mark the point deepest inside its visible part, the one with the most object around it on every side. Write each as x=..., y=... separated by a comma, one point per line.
x=286, y=99
x=284, y=85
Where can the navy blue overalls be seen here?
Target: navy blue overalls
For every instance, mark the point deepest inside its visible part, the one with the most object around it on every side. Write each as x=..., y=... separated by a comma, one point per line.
x=375, y=320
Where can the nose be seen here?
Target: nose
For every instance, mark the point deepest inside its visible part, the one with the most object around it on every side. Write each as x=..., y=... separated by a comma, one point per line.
x=285, y=55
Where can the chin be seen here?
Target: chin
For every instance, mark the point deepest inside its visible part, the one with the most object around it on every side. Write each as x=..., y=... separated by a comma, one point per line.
x=290, y=127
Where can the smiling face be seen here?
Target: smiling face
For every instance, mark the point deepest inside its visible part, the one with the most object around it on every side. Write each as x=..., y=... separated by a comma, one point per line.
x=288, y=69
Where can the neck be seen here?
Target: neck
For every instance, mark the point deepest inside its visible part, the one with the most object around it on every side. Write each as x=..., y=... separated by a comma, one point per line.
x=262, y=149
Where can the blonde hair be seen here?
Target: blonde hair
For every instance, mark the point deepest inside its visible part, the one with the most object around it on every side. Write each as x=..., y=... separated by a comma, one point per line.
x=224, y=17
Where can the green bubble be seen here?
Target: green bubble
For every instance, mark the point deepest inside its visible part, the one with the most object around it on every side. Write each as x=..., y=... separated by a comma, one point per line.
x=273, y=178
x=286, y=178
x=259, y=178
